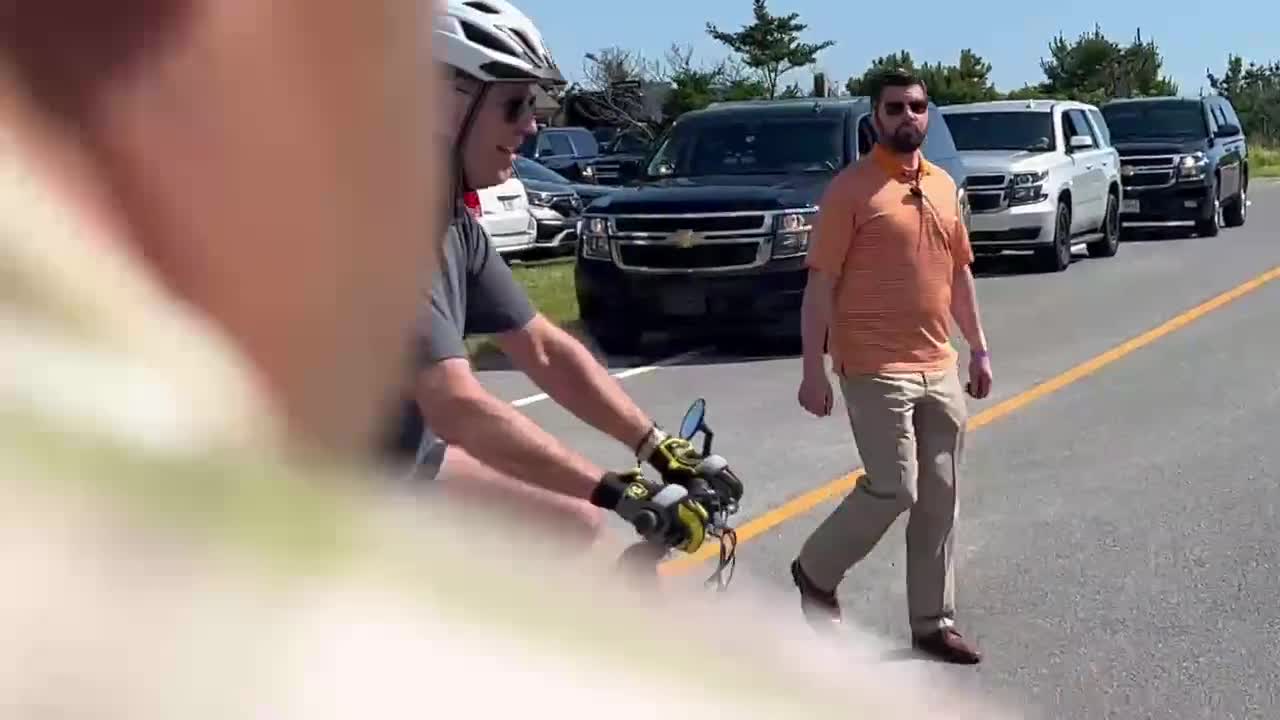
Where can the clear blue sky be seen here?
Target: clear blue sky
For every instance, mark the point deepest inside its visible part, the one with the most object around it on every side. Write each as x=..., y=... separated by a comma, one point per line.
x=1012, y=36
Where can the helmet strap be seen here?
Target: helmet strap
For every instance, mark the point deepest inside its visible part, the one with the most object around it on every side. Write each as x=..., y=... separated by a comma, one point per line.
x=460, y=183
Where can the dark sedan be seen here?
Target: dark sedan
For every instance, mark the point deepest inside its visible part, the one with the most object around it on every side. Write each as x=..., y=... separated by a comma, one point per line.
x=555, y=202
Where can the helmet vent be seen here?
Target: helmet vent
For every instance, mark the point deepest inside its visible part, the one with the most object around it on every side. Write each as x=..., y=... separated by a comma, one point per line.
x=482, y=7
x=530, y=50
x=480, y=36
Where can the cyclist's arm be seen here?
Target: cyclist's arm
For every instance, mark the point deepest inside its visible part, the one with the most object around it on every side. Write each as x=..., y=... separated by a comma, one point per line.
x=464, y=414
x=567, y=372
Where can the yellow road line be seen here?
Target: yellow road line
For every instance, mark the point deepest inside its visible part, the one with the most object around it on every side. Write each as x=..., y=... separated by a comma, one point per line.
x=799, y=505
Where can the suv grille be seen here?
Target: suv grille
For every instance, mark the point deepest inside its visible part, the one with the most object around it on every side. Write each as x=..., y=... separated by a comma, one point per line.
x=698, y=257
x=1148, y=170
x=985, y=201
x=986, y=181
x=1153, y=179
x=697, y=223
x=607, y=170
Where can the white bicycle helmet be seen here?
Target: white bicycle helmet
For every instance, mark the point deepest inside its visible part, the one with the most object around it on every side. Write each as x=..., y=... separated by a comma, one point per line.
x=494, y=42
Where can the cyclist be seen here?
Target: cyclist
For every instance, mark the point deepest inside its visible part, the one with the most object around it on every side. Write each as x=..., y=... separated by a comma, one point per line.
x=473, y=443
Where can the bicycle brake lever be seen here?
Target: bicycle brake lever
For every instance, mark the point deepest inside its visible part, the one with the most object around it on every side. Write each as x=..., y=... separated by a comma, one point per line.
x=724, y=482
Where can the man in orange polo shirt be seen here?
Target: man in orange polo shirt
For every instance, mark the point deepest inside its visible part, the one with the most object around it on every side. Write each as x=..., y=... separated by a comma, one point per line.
x=889, y=268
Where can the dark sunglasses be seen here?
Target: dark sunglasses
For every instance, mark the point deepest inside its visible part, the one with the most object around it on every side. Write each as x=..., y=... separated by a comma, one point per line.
x=516, y=109
x=513, y=110
x=896, y=107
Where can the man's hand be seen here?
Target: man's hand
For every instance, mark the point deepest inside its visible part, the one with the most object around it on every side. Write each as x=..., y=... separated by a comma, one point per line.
x=678, y=521
x=815, y=394
x=979, y=375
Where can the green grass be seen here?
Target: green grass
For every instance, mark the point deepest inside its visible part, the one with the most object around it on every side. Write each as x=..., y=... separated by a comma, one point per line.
x=1264, y=161
x=550, y=287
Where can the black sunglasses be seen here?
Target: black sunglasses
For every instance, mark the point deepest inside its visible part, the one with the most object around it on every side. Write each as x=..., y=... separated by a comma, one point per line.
x=513, y=110
x=516, y=109
x=896, y=107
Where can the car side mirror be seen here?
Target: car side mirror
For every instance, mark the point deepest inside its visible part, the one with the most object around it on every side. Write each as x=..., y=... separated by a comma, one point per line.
x=1227, y=130
x=1081, y=142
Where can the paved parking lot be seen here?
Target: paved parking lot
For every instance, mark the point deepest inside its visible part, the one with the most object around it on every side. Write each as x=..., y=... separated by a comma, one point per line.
x=1118, y=552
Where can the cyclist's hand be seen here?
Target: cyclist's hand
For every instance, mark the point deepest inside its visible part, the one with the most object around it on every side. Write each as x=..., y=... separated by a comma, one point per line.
x=676, y=460
x=665, y=513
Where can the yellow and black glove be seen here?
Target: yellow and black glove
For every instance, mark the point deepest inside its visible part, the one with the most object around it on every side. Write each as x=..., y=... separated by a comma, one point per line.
x=673, y=457
x=708, y=479
x=661, y=512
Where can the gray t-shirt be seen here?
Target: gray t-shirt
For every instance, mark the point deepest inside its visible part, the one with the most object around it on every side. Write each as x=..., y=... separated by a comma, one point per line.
x=473, y=293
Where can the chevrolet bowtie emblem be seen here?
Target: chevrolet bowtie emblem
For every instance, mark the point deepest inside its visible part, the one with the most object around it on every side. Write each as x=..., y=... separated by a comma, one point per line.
x=684, y=238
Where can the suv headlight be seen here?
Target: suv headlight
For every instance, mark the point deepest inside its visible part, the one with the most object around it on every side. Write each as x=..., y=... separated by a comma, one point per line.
x=593, y=236
x=1027, y=188
x=1193, y=166
x=791, y=233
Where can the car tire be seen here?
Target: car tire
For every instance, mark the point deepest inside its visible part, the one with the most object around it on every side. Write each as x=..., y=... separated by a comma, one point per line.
x=1210, y=226
x=1236, y=212
x=1057, y=257
x=1109, y=245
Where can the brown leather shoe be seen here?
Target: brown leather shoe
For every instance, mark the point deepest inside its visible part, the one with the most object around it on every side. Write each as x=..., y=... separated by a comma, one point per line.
x=820, y=607
x=948, y=646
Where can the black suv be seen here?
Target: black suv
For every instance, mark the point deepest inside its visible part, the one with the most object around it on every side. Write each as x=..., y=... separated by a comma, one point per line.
x=714, y=236
x=567, y=150
x=621, y=159
x=1181, y=160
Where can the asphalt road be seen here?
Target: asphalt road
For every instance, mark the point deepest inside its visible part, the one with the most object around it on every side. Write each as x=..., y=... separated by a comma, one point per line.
x=1119, y=537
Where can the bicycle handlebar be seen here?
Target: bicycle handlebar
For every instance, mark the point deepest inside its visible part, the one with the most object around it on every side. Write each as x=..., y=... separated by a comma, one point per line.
x=645, y=522
x=716, y=487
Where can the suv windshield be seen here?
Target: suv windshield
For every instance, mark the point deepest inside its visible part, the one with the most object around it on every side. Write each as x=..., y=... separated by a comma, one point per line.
x=1155, y=120
x=1031, y=131
x=780, y=144
x=627, y=143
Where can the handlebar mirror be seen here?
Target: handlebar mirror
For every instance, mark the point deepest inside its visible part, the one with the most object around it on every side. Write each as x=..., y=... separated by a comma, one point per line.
x=693, y=418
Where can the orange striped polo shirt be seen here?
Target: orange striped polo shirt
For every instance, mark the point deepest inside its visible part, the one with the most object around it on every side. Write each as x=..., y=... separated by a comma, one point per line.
x=893, y=256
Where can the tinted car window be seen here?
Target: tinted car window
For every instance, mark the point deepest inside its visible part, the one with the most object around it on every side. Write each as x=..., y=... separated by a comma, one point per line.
x=752, y=146
x=1230, y=112
x=584, y=143
x=1081, y=124
x=530, y=170
x=1100, y=126
x=559, y=144
x=1173, y=119
x=1002, y=130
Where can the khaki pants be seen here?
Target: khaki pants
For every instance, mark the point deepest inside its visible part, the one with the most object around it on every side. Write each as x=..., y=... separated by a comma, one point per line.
x=909, y=430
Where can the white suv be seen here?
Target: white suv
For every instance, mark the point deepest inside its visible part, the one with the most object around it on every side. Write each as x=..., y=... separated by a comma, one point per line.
x=1042, y=176
x=503, y=211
